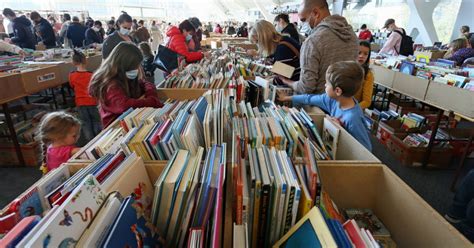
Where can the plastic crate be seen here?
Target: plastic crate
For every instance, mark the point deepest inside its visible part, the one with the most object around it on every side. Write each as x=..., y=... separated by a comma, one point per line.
x=413, y=156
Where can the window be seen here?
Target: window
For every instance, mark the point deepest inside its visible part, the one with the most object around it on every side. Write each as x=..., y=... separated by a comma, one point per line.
x=444, y=18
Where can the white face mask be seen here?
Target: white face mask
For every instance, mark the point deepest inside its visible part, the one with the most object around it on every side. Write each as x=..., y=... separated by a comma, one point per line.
x=189, y=37
x=96, y=29
x=133, y=74
x=124, y=31
x=278, y=28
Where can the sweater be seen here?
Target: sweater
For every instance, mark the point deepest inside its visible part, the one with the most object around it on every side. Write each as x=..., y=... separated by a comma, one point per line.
x=116, y=101
x=365, y=35
x=177, y=43
x=462, y=54
x=392, y=45
x=46, y=33
x=110, y=43
x=76, y=32
x=364, y=94
x=333, y=40
x=352, y=119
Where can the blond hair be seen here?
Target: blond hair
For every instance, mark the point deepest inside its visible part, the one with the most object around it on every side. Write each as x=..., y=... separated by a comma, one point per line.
x=265, y=35
x=55, y=126
x=347, y=75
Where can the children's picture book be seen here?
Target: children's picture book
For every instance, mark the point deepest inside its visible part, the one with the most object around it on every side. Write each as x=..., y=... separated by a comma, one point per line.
x=366, y=219
x=331, y=137
x=15, y=235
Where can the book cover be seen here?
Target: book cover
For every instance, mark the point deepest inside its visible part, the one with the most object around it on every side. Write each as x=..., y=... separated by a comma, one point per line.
x=366, y=218
x=14, y=236
x=132, y=228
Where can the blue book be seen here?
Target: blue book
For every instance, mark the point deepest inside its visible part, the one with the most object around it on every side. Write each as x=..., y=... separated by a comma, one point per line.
x=199, y=109
x=131, y=229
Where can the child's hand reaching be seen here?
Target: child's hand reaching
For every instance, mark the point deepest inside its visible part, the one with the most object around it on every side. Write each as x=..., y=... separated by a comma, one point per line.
x=283, y=97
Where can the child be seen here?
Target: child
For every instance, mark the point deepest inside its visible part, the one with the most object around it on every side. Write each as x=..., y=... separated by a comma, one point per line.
x=117, y=85
x=364, y=94
x=58, y=132
x=147, y=62
x=343, y=80
x=87, y=106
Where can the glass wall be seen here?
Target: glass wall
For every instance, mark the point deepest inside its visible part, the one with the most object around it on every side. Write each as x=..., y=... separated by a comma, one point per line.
x=444, y=17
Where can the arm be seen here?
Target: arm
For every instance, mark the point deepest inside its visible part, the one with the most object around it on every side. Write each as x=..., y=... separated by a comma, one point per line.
x=118, y=102
x=182, y=49
x=309, y=61
x=19, y=34
x=4, y=46
x=322, y=101
x=367, y=90
x=75, y=150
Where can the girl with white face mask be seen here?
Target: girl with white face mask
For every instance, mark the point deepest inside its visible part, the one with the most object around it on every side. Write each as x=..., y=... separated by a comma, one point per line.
x=124, y=26
x=118, y=84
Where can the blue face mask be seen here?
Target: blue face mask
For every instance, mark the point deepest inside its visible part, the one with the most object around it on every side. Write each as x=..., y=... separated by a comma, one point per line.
x=189, y=37
x=133, y=74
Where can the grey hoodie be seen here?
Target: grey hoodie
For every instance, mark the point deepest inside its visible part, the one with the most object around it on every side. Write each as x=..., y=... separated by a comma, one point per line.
x=333, y=40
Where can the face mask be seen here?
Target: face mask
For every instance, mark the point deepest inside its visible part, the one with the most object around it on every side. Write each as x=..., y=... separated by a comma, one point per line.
x=96, y=29
x=278, y=29
x=133, y=74
x=189, y=37
x=124, y=31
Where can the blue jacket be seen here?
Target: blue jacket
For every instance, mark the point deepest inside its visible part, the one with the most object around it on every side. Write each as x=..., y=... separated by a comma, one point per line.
x=46, y=33
x=76, y=32
x=23, y=35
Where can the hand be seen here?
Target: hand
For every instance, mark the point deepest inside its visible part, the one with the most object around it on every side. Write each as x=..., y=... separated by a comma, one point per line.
x=283, y=97
x=22, y=53
x=206, y=54
x=286, y=81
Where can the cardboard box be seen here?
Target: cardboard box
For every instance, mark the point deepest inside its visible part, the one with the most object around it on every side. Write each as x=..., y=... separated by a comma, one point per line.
x=10, y=85
x=451, y=98
x=44, y=77
x=348, y=148
x=93, y=62
x=383, y=76
x=410, y=220
x=411, y=86
x=180, y=94
x=31, y=154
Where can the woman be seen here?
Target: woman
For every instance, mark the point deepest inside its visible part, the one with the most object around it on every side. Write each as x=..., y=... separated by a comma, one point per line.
x=461, y=49
x=117, y=85
x=156, y=35
x=178, y=38
x=275, y=46
x=124, y=25
x=218, y=29
x=364, y=95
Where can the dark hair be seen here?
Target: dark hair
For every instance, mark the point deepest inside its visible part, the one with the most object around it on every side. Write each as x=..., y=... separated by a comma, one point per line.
x=97, y=23
x=186, y=25
x=146, y=49
x=244, y=24
x=67, y=17
x=347, y=75
x=284, y=17
x=75, y=19
x=465, y=29
x=111, y=22
x=364, y=26
x=34, y=15
x=124, y=17
x=366, y=64
x=8, y=12
x=78, y=57
x=124, y=57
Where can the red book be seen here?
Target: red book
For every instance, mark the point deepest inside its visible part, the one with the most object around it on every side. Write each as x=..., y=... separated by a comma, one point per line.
x=8, y=221
x=111, y=167
x=353, y=231
x=123, y=124
x=14, y=236
x=159, y=133
x=239, y=192
x=61, y=199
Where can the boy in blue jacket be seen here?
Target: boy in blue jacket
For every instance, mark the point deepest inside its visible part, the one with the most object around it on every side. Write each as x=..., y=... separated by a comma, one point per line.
x=343, y=79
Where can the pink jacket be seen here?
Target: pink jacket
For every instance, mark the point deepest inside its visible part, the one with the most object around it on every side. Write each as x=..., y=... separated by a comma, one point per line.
x=392, y=45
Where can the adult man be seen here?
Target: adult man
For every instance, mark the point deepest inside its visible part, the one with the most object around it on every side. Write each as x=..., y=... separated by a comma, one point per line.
x=62, y=33
x=93, y=34
x=392, y=45
x=23, y=35
x=283, y=25
x=76, y=32
x=332, y=40
x=44, y=30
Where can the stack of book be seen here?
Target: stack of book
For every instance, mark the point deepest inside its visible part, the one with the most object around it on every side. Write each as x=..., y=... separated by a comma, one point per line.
x=188, y=202
x=412, y=120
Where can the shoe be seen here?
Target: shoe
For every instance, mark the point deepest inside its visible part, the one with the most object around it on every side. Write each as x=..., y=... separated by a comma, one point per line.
x=452, y=220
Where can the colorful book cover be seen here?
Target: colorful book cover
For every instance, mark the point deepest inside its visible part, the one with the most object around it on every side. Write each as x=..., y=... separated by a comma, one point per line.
x=132, y=228
x=68, y=223
x=29, y=204
x=15, y=235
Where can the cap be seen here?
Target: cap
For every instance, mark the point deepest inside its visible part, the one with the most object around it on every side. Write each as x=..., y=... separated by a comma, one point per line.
x=195, y=22
x=388, y=22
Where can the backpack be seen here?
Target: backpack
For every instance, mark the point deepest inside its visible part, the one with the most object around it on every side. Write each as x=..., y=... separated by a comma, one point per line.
x=406, y=46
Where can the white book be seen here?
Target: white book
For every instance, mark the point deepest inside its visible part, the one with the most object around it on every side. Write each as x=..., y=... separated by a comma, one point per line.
x=245, y=198
x=38, y=227
x=366, y=238
x=99, y=228
x=240, y=237
x=118, y=172
x=50, y=182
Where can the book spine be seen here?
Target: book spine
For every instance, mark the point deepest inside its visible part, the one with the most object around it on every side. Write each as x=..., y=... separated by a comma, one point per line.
x=238, y=203
x=256, y=214
x=289, y=211
x=264, y=215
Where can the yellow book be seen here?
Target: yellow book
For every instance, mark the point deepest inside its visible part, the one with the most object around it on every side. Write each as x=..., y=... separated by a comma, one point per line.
x=306, y=202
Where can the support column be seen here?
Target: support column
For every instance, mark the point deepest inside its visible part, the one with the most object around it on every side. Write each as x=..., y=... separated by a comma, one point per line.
x=421, y=18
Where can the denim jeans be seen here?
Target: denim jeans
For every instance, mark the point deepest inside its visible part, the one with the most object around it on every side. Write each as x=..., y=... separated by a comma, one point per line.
x=90, y=119
x=463, y=206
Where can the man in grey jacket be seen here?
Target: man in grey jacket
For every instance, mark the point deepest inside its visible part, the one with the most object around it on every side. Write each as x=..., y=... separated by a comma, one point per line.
x=332, y=40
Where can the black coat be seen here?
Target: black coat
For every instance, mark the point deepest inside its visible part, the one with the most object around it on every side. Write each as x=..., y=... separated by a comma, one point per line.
x=46, y=33
x=23, y=35
x=291, y=30
x=93, y=37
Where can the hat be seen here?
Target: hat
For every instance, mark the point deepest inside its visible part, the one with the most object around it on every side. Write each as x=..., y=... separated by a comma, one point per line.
x=388, y=22
x=195, y=22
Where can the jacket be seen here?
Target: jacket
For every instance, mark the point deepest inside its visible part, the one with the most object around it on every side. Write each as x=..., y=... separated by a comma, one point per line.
x=364, y=94
x=23, y=35
x=291, y=30
x=333, y=40
x=79, y=81
x=110, y=43
x=177, y=43
x=392, y=45
x=46, y=33
x=462, y=54
x=76, y=32
x=116, y=101
x=142, y=34
x=286, y=55
x=365, y=35
x=93, y=37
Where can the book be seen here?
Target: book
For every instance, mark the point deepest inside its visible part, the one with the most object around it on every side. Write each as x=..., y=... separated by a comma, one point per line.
x=354, y=233
x=283, y=69
x=131, y=228
x=14, y=236
x=365, y=218
x=331, y=137
x=311, y=229
x=240, y=236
